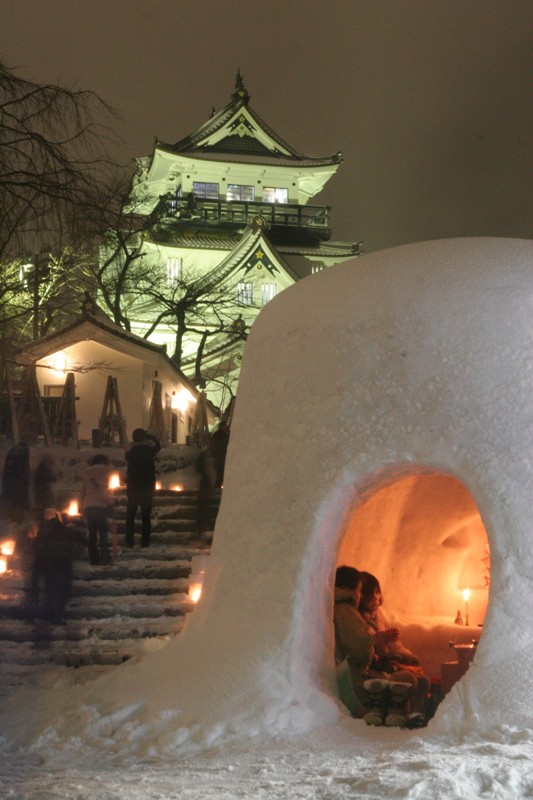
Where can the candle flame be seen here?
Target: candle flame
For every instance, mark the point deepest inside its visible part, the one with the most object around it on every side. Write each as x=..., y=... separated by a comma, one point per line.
x=195, y=591
x=466, y=594
x=3, y=565
x=7, y=548
x=158, y=486
x=114, y=480
x=177, y=487
x=73, y=510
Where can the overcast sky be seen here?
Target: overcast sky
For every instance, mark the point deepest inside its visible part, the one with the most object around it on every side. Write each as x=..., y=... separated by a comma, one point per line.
x=430, y=101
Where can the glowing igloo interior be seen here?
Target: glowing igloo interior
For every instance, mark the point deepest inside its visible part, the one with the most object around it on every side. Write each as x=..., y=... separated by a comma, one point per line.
x=424, y=538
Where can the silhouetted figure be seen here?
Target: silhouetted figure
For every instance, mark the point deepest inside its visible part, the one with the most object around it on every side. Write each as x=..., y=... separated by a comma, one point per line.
x=44, y=478
x=54, y=553
x=16, y=481
x=219, y=446
x=140, y=484
x=205, y=465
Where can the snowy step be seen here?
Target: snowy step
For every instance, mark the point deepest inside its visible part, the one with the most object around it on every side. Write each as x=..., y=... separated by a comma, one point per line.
x=143, y=605
x=115, y=628
x=116, y=612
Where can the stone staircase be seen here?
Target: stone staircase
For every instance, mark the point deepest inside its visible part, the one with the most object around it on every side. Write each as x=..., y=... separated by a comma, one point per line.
x=116, y=612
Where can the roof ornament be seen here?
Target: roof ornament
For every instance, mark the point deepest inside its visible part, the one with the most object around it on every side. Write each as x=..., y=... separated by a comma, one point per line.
x=240, y=95
x=88, y=305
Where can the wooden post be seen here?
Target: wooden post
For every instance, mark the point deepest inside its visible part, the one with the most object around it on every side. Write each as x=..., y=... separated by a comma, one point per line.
x=200, y=427
x=66, y=427
x=31, y=417
x=5, y=373
x=112, y=422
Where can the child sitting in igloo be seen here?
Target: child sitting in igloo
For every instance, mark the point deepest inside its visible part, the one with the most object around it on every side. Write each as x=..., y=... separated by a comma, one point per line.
x=391, y=654
x=385, y=695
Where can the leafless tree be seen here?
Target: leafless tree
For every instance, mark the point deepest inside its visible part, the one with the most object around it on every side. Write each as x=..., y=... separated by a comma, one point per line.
x=53, y=149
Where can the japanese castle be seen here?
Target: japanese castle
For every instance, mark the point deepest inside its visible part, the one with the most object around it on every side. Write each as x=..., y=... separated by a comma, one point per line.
x=233, y=218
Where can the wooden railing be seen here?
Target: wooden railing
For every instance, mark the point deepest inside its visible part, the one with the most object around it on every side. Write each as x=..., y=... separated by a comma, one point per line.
x=244, y=212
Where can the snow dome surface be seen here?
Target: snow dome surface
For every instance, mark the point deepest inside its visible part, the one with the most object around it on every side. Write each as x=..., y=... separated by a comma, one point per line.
x=412, y=360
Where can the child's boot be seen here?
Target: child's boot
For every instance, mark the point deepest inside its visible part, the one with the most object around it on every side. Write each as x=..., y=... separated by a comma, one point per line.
x=397, y=704
x=376, y=690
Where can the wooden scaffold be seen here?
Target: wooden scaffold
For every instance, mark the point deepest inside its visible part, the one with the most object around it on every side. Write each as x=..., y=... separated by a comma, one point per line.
x=200, y=427
x=156, y=416
x=112, y=423
x=31, y=417
x=66, y=425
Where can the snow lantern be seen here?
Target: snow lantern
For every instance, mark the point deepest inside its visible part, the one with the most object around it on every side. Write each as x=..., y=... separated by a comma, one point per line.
x=384, y=419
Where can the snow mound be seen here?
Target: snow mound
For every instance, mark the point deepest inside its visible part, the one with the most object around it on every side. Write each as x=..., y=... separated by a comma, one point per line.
x=413, y=358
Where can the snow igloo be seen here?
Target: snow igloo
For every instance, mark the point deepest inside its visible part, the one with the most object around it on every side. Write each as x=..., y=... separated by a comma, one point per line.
x=384, y=420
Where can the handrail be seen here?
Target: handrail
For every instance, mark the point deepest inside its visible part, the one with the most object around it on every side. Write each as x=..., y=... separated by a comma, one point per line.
x=244, y=211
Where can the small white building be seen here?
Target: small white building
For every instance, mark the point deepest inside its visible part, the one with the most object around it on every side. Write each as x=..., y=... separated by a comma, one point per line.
x=94, y=348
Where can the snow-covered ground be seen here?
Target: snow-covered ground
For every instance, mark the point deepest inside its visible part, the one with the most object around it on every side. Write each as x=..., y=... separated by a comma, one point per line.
x=337, y=762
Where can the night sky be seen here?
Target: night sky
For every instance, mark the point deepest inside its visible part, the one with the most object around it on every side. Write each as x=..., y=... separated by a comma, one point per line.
x=430, y=101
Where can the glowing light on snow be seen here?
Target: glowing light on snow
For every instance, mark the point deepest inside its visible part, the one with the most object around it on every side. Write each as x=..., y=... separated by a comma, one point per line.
x=196, y=577
x=158, y=486
x=177, y=487
x=74, y=509
x=7, y=548
x=195, y=591
x=3, y=565
x=114, y=481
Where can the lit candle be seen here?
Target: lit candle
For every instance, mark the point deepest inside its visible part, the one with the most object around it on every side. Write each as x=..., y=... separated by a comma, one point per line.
x=7, y=548
x=114, y=481
x=466, y=595
x=3, y=565
x=73, y=509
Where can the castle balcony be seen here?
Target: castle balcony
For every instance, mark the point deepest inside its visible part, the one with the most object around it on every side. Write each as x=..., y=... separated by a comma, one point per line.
x=238, y=214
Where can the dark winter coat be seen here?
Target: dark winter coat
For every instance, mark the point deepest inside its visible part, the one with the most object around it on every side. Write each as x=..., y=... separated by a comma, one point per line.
x=16, y=477
x=353, y=639
x=140, y=475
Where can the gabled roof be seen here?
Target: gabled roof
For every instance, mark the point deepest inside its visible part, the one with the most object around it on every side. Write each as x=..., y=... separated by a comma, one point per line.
x=254, y=250
x=94, y=324
x=239, y=133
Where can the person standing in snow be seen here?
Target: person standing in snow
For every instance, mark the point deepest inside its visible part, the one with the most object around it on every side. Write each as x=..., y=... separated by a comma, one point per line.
x=16, y=481
x=44, y=477
x=218, y=447
x=96, y=503
x=140, y=484
x=54, y=553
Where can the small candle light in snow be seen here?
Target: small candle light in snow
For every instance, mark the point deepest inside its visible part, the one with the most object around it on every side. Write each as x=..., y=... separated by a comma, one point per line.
x=114, y=481
x=73, y=510
x=195, y=591
x=158, y=486
x=177, y=487
x=3, y=565
x=7, y=548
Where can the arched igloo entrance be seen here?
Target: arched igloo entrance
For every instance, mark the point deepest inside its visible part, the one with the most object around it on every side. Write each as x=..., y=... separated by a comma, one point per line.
x=420, y=532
